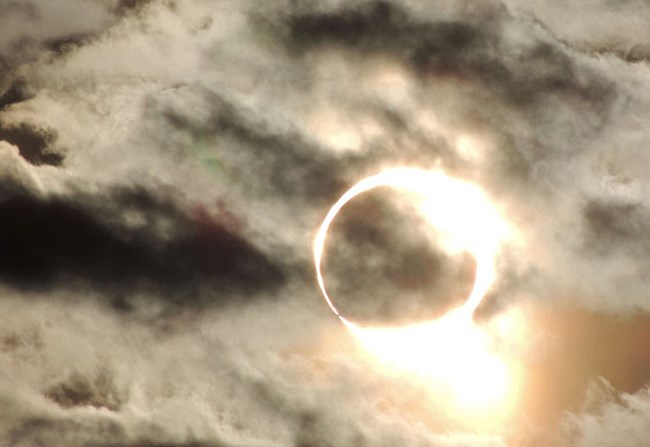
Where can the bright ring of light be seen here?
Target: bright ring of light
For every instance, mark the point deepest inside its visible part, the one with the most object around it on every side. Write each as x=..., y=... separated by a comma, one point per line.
x=457, y=207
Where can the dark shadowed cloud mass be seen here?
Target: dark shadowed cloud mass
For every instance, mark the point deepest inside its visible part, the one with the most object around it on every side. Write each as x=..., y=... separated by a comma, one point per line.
x=164, y=166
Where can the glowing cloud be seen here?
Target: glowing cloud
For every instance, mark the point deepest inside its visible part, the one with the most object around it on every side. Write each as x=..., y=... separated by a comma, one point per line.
x=459, y=210
x=451, y=353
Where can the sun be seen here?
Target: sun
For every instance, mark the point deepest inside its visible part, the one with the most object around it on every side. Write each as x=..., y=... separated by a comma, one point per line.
x=453, y=355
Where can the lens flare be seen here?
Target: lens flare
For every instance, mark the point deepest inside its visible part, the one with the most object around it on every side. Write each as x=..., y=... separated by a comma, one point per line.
x=452, y=353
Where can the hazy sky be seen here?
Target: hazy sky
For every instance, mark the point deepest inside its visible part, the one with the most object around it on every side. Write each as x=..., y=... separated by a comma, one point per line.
x=164, y=168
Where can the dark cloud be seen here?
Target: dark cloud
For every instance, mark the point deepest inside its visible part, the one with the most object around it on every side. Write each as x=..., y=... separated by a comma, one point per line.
x=367, y=27
x=159, y=444
x=87, y=238
x=614, y=225
x=124, y=7
x=62, y=45
x=284, y=162
x=34, y=144
x=473, y=51
x=638, y=53
x=382, y=27
x=17, y=92
x=81, y=391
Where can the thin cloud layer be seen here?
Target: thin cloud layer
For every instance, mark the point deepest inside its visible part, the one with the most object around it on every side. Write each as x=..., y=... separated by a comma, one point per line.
x=164, y=166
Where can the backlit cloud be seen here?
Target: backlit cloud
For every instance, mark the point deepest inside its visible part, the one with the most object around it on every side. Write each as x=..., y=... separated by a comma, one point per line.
x=164, y=168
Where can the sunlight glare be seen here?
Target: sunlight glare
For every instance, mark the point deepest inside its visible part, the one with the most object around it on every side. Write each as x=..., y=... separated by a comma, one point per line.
x=452, y=355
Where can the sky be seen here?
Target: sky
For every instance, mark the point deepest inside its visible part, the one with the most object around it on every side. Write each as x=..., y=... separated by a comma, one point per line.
x=165, y=166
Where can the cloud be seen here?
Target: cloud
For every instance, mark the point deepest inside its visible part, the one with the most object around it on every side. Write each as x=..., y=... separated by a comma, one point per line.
x=164, y=165
x=622, y=419
x=32, y=143
x=380, y=249
x=124, y=239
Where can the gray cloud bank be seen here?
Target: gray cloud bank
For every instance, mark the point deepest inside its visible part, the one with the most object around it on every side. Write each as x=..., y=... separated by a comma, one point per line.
x=164, y=165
